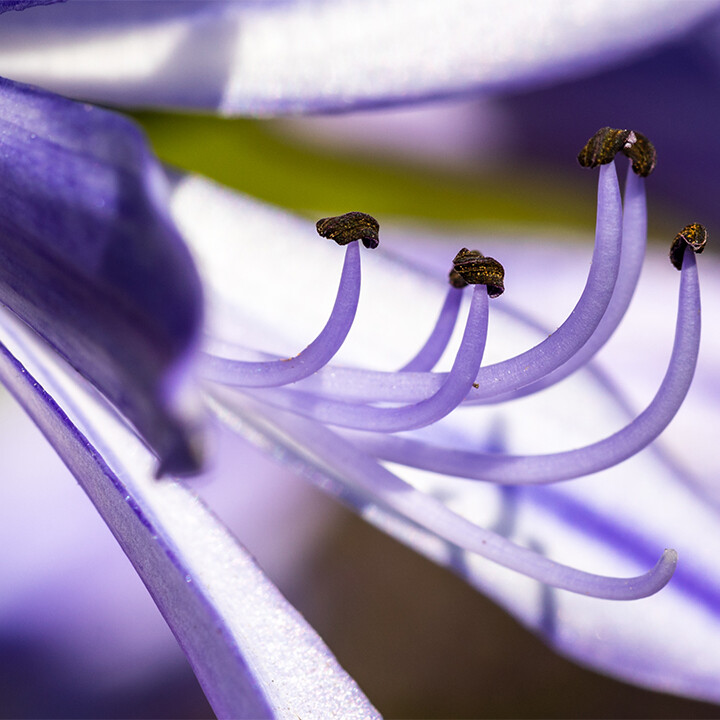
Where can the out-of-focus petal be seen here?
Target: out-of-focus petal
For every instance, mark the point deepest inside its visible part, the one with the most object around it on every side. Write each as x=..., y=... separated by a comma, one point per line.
x=253, y=654
x=71, y=598
x=275, y=57
x=6, y=5
x=615, y=523
x=90, y=259
x=686, y=74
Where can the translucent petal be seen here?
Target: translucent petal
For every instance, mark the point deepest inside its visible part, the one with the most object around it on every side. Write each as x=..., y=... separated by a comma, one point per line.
x=90, y=259
x=253, y=654
x=269, y=57
x=611, y=523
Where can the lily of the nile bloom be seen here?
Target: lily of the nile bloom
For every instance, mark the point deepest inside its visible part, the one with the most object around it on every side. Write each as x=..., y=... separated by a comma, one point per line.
x=348, y=470
x=94, y=261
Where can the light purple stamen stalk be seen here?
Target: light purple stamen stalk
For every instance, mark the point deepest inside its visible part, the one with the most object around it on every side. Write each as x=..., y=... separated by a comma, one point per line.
x=532, y=365
x=429, y=354
x=540, y=469
x=634, y=240
x=383, y=419
x=383, y=489
x=273, y=373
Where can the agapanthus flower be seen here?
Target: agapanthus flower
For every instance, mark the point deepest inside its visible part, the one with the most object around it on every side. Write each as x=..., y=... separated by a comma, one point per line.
x=147, y=300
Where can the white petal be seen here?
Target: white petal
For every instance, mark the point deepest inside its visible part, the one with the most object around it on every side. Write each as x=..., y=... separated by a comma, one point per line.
x=309, y=55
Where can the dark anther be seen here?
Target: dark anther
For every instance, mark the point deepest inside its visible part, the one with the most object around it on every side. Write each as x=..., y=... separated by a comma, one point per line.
x=344, y=229
x=642, y=153
x=694, y=235
x=607, y=142
x=602, y=147
x=471, y=267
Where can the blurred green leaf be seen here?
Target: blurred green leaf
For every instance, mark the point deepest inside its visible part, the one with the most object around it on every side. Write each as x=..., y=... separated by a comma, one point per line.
x=254, y=157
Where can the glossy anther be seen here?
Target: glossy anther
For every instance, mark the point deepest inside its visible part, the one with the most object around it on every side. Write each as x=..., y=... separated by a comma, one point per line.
x=642, y=153
x=344, y=229
x=693, y=236
x=471, y=267
x=607, y=142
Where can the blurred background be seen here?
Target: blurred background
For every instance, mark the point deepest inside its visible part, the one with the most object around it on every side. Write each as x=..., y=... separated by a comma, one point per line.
x=418, y=641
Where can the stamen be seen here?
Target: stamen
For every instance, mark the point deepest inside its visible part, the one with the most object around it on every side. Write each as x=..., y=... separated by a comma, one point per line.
x=693, y=236
x=471, y=267
x=634, y=241
x=273, y=373
x=607, y=142
x=540, y=469
x=602, y=147
x=429, y=354
x=344, y=229
x=382, y=419
x=642, y=153
x=362, y=476
x=514, y=373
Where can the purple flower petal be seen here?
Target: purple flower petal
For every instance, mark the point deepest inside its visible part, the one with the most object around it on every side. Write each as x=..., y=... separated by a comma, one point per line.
x=615, y=524
x=273, y=57
x=91, y=260
x=253, y=654
x=6, y=5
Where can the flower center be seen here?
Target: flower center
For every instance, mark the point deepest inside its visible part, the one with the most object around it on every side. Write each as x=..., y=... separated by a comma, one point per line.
x=302, y=399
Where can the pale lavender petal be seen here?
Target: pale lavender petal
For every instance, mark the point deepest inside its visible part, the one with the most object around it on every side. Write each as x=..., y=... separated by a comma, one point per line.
x=71, y=602
x=272, y=57
x=91, y=260
x=253, y=654
x=610, y=524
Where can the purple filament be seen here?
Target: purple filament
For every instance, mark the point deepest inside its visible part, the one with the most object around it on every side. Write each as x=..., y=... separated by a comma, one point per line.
x=528, y=367
x=631, y=260
x=429, y=354
x=540, y=469
x=393, y=419
x=273, y=373
x=365, y=477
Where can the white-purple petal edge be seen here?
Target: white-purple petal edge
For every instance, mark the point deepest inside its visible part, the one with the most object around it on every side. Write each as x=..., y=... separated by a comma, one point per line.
x=254, y=655
x=273, y=57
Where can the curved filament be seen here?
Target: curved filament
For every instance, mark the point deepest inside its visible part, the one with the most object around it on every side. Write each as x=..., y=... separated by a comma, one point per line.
x=429, y=354
x=393, y=419
x=539, y=469
x=367, y=478
x=273, y=373
x=634, y=240
x=528, y=367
